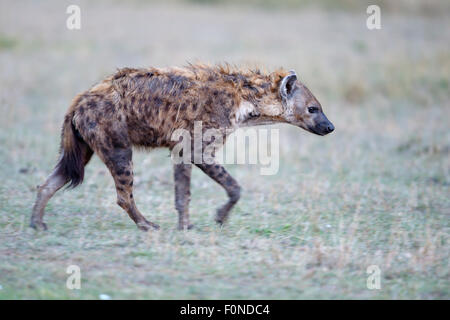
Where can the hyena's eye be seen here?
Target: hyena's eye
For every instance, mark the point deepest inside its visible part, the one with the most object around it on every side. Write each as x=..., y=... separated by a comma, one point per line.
x=313, y=109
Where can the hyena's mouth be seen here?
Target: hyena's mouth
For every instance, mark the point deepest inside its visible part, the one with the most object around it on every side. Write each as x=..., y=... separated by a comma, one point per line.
x=313, y=130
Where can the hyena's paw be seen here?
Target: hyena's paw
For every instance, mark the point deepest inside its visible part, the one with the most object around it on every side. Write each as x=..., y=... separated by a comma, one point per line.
x=147, y=225
x=190, y=226
x=219, y=221
x=221, y=216
x=38, y=225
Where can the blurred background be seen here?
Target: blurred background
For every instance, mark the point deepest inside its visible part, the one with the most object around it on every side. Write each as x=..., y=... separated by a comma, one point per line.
x=375, y=192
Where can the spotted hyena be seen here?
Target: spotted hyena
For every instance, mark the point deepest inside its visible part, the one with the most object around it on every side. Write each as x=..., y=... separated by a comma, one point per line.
x=143, y=107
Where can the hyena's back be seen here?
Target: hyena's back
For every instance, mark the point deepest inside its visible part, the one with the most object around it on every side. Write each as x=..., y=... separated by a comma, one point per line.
x=143, y=107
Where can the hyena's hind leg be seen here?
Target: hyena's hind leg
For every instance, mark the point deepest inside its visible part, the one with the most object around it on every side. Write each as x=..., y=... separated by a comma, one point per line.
x=222, y=177
x=65, y=171
x=119, y=162
x=54, y=182
x=182, y=175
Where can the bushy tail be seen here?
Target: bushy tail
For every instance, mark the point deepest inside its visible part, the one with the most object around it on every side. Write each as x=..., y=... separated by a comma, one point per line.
x=74, y=153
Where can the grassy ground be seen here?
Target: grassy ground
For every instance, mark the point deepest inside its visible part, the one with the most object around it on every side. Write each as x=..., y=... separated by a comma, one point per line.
x=375, y=192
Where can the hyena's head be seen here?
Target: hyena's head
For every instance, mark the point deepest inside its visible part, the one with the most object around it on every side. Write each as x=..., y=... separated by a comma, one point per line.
x=301, y=108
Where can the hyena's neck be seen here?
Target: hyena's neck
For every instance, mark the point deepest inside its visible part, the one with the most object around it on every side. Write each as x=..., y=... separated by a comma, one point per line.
x=259, y=100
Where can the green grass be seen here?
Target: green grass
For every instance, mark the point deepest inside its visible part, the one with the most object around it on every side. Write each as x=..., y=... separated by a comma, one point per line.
x=7, y=43
x=375, y=192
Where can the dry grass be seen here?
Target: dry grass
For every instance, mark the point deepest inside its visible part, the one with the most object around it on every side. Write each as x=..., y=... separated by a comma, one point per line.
x=375, y=192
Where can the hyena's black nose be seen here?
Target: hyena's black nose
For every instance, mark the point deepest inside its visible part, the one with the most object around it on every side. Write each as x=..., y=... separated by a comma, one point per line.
x=330, y=128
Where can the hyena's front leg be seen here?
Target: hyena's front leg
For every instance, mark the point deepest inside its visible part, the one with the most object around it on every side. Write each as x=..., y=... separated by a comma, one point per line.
x=182, y=175
x=222, y=177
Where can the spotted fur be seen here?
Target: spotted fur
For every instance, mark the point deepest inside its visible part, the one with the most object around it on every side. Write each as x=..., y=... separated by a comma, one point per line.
x=142, y=108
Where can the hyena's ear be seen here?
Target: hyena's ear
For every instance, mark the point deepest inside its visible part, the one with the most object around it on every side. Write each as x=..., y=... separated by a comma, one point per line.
x=287, y=85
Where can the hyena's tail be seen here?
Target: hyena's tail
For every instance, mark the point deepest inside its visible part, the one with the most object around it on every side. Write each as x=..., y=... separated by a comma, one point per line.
x=74, y=152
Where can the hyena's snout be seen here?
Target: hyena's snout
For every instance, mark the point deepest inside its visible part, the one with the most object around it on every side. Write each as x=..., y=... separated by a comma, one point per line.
x=323, y=126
